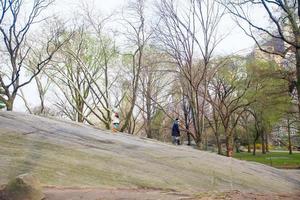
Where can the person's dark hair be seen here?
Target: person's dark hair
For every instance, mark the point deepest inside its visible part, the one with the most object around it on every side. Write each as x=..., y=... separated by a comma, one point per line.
x=176, y=119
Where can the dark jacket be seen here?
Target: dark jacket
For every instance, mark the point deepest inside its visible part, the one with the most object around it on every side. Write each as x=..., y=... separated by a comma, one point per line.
x=175, y=129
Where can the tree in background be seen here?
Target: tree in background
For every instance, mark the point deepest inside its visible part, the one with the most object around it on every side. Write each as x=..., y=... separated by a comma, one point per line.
x=227, y=97
x=246, y=135
x=82, y=75
x=155, y=83
x=189, y=34
x=69, y=76
x=42, y=82
x=137, y=35
x=283, y=32
x=271, y=100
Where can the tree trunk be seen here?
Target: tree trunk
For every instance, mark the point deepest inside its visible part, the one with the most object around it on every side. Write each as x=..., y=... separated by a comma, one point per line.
x=229, y=146
x=109, y=120
x=218, y=144
x=42, y=110
x=198, y=140
x=80, y=117
x=249, y=142
x=263, y=143
x=186, y=119
x=148, y=104
x=249, y=148
x=267, y=143
x=196, y=118
x=206, y=142
x=149, y=129
x=10, y=104
x=297, y=54
x=107, y=125
x=189, y=138
x=187, y=129
x=198, y=143
x=289, y=136
x=134, y=94
x=254, y=142
x=254, y=147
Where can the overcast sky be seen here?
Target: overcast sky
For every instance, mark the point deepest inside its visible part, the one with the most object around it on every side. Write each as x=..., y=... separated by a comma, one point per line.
x=235, y=41
x=106, y=6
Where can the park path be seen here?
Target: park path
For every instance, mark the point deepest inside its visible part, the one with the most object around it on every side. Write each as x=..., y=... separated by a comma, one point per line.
x=112, y=194
x=137, y=194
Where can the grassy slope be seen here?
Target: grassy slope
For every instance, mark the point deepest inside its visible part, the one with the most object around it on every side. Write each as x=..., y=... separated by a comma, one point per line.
x=275, y=159
x=69, y=154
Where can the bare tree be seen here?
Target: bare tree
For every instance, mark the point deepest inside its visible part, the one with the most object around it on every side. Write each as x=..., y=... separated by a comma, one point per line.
x=82, y=76
x=108, y=55
x=227, y=92
x=155, y=83
x=5, y=6
x=41, y=81
x=14, y=32
x=189, y=35
x=137, y=36
x=43, y=84
x=213, y=120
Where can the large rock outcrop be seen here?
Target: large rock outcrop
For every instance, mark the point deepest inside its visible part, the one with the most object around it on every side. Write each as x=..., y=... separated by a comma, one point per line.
x=66, y=154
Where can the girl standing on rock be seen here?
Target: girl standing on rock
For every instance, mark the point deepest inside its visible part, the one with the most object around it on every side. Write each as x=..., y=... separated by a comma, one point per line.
x=116, y=122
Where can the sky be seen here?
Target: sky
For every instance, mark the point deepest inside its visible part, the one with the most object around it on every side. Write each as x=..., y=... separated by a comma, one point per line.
x=106, y=6
x=236, y=41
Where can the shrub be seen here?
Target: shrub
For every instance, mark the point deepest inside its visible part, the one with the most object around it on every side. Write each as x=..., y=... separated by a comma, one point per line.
x=258, y=146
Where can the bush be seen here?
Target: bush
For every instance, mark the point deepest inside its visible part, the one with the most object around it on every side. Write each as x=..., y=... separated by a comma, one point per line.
x=258, y=146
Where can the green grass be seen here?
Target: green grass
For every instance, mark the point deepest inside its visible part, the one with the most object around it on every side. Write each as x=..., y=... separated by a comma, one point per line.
x=281, y=160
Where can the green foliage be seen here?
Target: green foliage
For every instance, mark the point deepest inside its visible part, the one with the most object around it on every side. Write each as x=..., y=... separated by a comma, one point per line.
x=268, y=92
x=93, y=51
x=2, y=104
x=229, y=88
x=158, y=118
x=157, y=124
